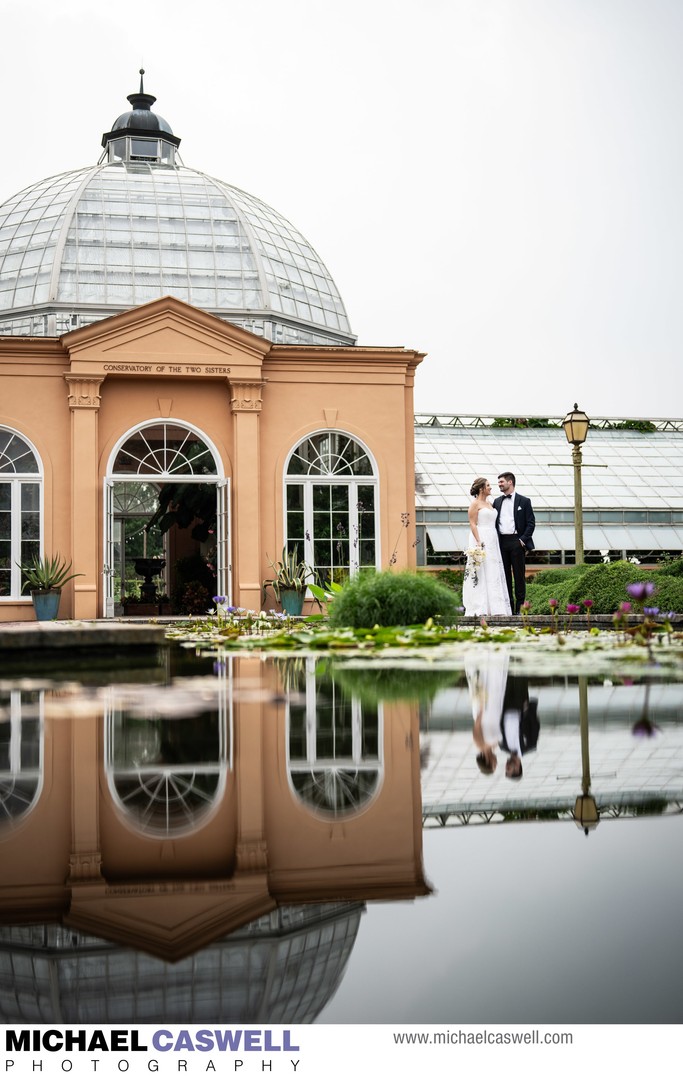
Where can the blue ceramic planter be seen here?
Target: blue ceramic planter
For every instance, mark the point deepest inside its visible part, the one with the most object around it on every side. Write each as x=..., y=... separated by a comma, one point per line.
x=292, y=601
x=46, y=603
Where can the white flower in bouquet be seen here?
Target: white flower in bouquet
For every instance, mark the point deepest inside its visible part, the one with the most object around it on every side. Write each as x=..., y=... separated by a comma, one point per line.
x=474, y=559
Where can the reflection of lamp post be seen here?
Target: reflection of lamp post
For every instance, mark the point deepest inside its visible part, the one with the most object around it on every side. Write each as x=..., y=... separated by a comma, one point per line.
x=576, y=428
x=586, y=813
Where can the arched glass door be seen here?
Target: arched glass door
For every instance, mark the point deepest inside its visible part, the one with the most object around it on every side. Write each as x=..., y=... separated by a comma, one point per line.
x=160, y=475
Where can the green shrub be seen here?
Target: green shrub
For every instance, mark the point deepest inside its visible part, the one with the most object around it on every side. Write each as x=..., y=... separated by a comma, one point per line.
x=450, y=579
x=392, y=599
x=555, y=576
x=668, y=597
x=671, y=566
x=605, y=585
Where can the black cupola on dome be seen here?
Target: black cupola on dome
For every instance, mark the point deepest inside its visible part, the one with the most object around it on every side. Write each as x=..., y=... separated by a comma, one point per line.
x=83, y=245
x=138, y=128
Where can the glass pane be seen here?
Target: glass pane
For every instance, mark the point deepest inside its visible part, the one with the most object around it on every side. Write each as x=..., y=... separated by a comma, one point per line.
x=340, y=553
x=340, y=498
x=30, y=496
x=30, y=525
x=322, y=525
x=340, y=525
x=322, y=554
x=367, y=553
x=322, y=498
x=295, y=497
x=295, y=527
x=30, y=550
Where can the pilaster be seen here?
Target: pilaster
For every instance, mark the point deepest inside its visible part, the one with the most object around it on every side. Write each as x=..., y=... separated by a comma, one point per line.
x=245, y=404
x=84, y=402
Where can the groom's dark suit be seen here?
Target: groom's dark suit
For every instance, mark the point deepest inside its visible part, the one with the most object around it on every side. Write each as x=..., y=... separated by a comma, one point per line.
x=513, y=547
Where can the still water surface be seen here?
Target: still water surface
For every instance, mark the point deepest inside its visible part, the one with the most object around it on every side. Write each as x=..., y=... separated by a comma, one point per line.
x=296, y=841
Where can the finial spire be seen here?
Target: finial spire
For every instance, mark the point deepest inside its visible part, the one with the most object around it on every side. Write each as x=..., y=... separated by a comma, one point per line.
x=142, y=72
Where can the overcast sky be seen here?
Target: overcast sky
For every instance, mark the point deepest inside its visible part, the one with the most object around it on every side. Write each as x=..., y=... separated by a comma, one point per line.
x=494, y=182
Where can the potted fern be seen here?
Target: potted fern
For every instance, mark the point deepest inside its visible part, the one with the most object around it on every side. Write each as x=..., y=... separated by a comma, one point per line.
x=291, y=580
x=45, y=576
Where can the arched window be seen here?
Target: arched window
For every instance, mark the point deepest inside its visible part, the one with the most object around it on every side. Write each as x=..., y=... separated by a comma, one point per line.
x=331, y=505
x=20, y=510
x=164, y=449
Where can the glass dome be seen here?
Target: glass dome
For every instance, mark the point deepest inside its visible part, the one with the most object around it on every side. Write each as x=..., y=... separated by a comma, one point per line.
x=84, y=245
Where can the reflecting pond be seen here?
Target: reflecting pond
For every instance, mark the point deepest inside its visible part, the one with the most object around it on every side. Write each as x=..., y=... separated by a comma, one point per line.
x=289, y=840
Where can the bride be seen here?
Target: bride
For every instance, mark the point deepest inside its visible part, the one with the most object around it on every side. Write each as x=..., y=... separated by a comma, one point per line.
x=484, y=590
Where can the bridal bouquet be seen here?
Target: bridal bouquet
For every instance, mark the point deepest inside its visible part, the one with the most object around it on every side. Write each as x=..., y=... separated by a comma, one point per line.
x=474, y=559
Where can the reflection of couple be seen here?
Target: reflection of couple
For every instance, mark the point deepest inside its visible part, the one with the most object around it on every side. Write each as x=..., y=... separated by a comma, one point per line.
x=500, y=535
x=504, y=715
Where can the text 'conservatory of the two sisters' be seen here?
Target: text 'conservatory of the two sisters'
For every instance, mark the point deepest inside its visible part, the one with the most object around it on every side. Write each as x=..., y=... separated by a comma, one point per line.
x=180, y=384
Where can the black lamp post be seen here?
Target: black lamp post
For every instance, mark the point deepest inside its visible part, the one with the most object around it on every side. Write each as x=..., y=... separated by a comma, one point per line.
x=586, y=813
x=576, y=428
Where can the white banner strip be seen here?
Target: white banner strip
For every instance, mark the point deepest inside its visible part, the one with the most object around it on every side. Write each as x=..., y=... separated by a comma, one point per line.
x=337, y=1049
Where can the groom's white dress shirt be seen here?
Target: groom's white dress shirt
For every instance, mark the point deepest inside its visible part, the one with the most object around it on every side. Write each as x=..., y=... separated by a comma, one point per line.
x=506, y=519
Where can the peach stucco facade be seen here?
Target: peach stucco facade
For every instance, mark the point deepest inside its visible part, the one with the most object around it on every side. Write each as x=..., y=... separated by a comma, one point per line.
x=74, y=399
x=81, y=854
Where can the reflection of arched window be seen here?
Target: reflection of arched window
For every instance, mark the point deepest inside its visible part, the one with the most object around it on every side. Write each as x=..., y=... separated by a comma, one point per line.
x=21, y=751
x=20, y=507
x=167, y=755
x=164, y=449
x=334, y=747
x=331, y=493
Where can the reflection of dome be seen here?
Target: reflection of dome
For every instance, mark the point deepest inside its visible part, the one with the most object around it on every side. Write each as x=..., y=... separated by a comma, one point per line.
x=283, y=968
x=83, y=245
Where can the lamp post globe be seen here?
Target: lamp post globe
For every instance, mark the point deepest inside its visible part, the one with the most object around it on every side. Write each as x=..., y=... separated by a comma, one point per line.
x=575, y=426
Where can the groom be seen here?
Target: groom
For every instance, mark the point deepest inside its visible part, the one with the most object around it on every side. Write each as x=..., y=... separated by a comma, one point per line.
x=515, y=523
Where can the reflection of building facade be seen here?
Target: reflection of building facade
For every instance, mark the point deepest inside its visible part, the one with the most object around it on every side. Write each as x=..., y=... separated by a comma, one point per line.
x=169, y=834
x=165, y=334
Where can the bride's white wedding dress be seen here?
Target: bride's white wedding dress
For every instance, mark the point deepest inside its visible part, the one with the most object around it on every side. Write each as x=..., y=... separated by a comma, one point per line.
x=489, y=596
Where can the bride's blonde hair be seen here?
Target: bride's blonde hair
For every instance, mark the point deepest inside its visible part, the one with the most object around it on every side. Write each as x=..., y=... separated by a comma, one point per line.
x=477, y=487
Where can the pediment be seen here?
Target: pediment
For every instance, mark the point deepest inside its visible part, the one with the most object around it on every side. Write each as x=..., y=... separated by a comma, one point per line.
x=165, y=333
x=169, y=925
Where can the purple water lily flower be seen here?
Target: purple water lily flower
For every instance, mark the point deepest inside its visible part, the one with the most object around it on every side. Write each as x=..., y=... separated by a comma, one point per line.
x=641, y=590
x=573, y=609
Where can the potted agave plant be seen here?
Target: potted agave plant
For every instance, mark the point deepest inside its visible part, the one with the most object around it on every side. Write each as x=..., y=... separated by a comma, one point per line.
x=291, y=579
x=45, y=576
